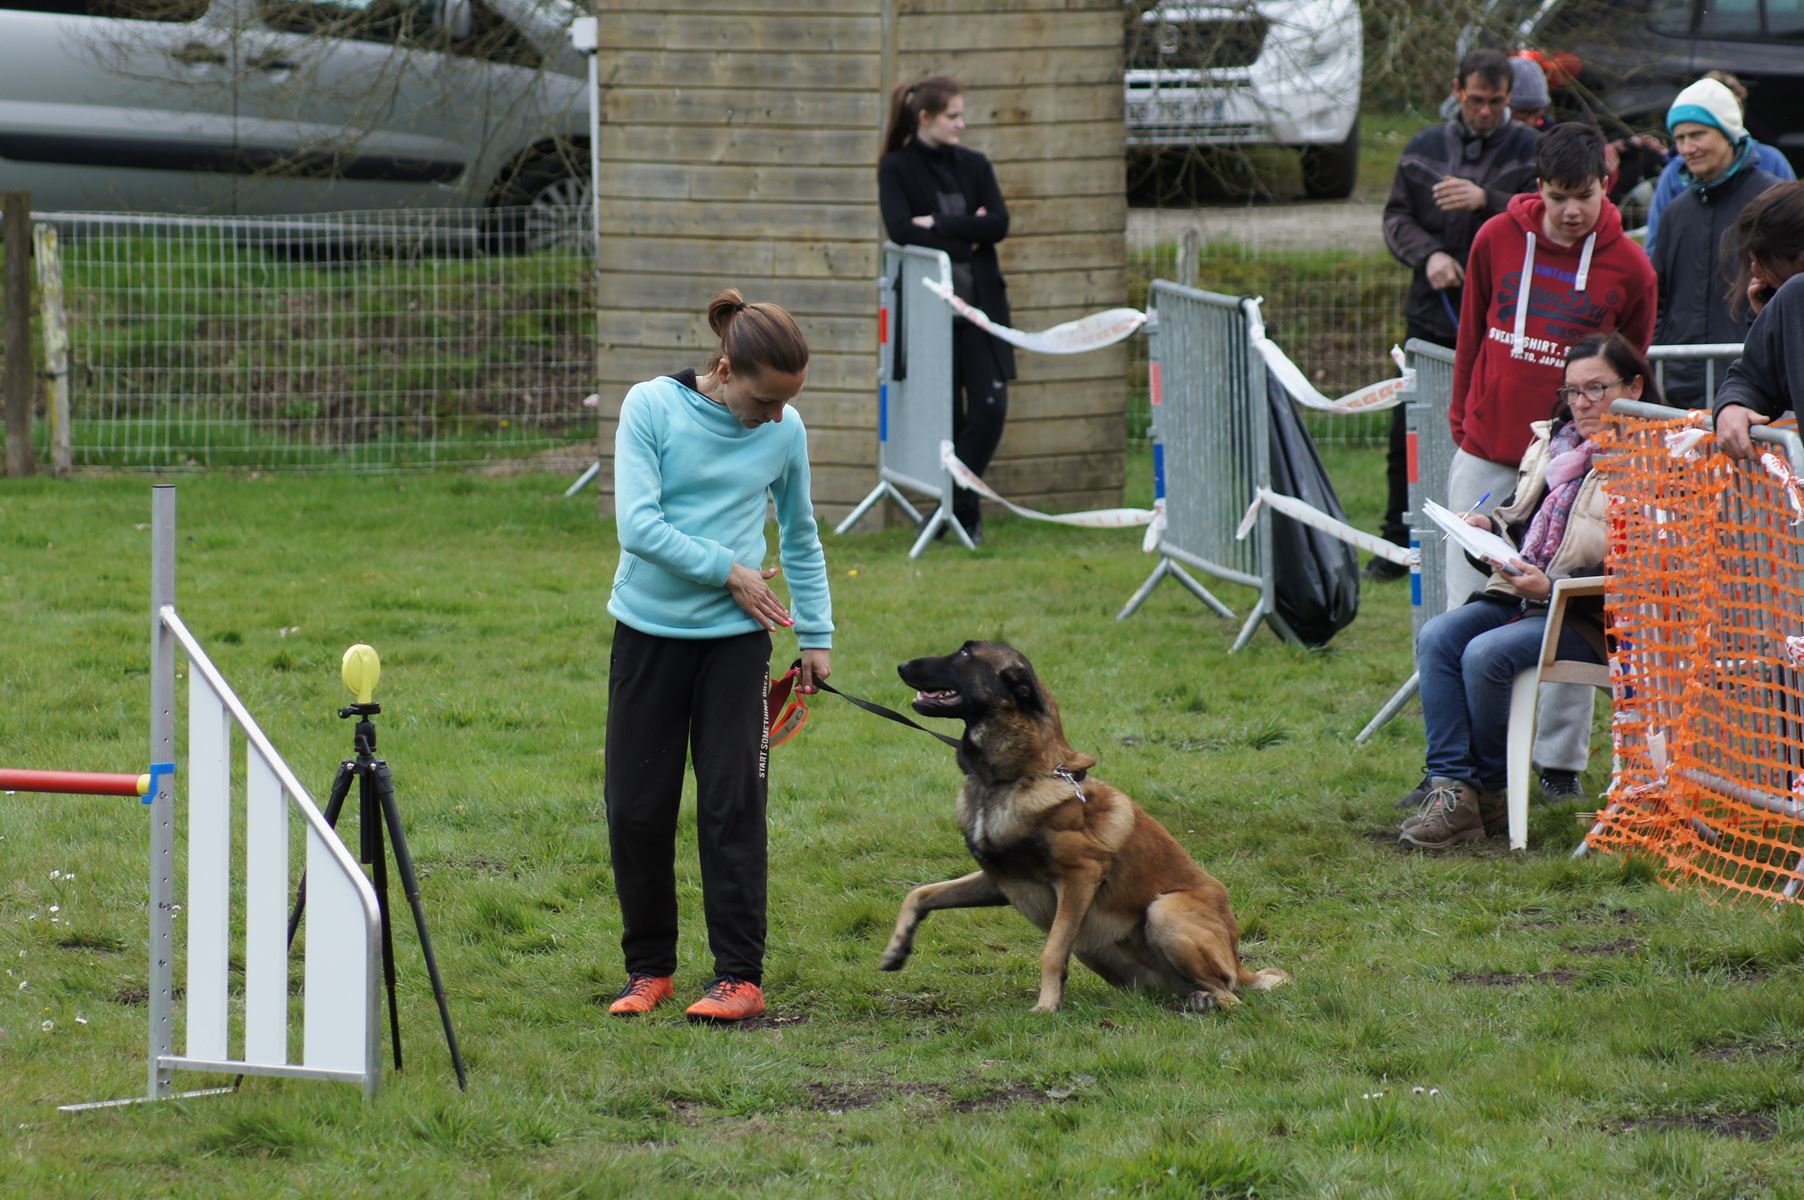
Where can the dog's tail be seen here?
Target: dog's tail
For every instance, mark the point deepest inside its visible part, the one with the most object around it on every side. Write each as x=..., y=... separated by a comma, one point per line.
x=1263, y=981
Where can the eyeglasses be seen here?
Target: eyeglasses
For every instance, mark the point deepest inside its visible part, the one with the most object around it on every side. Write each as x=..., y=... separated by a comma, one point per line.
x=1593, y=392
x=785, y=709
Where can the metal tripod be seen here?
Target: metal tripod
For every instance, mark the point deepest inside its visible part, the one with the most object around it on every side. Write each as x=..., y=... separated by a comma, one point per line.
x=376, y=790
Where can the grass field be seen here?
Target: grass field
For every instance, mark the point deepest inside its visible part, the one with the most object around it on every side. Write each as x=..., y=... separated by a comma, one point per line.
x=1483, y=1024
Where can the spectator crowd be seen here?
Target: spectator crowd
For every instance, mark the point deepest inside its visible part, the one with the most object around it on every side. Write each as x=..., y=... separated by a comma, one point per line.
x=1521, y=266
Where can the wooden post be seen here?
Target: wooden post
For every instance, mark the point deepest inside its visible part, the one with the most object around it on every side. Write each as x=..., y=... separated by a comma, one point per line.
x=18, y=386
x=56, y=343
x=1190, y=247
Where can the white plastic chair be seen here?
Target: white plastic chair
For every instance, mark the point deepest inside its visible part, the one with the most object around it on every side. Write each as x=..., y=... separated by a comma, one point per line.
x=1523, y=693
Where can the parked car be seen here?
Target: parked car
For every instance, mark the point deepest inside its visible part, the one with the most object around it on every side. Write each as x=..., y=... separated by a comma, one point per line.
x=1623, y=61
x=292, y=106
x=1251, y=73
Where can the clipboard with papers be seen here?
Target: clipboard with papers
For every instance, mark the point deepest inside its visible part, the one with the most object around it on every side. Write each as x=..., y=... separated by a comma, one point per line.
x=1479, y=543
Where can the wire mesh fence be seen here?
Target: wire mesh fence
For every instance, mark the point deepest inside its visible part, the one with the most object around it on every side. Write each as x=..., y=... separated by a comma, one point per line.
x=1333, y=295
x=366, y=340
x=403, y=339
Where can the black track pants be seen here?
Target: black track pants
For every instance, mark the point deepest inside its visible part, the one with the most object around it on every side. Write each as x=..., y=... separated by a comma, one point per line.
x=1396, y=472
x=979, y=408
x=668, y=696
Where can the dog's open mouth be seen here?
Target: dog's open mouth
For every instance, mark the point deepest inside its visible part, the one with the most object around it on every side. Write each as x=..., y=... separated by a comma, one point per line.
x=936, y=698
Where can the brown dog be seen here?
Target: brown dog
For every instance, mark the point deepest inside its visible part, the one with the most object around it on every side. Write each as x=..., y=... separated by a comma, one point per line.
x=1073, y=855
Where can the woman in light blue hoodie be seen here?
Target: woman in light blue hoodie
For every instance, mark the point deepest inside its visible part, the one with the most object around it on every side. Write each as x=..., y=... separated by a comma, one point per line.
x=696, y=461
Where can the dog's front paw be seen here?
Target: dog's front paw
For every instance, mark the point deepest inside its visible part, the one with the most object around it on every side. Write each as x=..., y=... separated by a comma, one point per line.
x=1046, y=1006
x=894, y=959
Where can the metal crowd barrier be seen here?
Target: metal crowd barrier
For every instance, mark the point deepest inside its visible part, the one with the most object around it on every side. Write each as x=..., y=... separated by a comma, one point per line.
x=1430, y=444
x=914, y=411
x=339, y=1026
x=1711, y=354
x=1212, y=429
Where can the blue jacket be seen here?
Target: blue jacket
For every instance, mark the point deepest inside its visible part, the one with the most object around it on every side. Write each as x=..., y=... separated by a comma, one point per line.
x=690, y=487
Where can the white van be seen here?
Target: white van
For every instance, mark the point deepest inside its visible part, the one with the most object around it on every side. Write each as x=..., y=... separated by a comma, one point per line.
x=291, y=106
x=1251, y=73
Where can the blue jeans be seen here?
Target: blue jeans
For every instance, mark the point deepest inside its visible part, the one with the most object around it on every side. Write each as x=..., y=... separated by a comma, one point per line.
x=1466, y=659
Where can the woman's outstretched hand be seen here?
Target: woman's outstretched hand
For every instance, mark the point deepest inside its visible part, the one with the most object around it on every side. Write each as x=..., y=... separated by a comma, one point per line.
x=752, y=593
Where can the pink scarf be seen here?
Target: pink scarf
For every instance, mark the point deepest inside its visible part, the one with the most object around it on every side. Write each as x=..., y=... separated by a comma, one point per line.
x=1569, y=461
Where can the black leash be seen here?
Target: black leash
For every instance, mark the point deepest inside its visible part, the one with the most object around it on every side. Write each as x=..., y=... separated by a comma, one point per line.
x=879, y=710
x=1074, y=778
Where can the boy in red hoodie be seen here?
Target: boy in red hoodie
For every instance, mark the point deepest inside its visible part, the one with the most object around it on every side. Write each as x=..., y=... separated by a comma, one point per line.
x=1553, y=268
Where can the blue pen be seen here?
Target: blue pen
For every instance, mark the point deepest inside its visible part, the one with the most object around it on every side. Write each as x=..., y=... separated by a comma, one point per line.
x=1479, y=504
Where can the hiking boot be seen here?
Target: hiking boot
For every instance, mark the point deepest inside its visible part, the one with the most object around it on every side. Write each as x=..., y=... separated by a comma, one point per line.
x=1413, y=800
x=1383, y=570
x=1494, y=811
x=1559, y=787
x=1450, y=814
x=728, y=1001
x=641, y=994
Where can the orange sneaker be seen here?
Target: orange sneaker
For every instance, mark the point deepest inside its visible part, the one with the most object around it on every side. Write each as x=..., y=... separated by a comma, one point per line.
x=641, y=994
x=728, y=1000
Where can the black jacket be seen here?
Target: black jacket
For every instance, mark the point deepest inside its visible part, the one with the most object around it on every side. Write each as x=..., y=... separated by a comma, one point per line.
x=917, y=181
x=1695, y=270
x=1769, y=375
x=1502, y=162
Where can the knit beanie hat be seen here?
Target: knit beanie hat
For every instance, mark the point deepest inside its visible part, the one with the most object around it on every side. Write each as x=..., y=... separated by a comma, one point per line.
x=1708, y=102
x=1528, y=84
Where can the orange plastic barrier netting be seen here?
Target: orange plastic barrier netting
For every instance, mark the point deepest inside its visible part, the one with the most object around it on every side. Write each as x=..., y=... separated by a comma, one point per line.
x=1706, y=607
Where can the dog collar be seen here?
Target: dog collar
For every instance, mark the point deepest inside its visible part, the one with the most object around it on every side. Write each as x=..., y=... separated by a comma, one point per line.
x=1074, y=778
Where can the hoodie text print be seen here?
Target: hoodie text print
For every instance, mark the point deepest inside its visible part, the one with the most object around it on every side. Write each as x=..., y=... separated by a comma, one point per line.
x=1513, y=340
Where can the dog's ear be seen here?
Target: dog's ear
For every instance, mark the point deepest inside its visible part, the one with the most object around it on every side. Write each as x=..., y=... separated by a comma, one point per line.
x=1019, y=679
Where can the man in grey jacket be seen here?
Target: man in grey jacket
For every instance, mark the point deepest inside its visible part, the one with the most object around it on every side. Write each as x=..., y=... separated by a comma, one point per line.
x=1451, y=179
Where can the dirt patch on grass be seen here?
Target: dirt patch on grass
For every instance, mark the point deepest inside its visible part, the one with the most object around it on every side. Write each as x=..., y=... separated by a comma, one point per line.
x=923, y=1004
x=840, y=1098
x=135, y=995
x=101, y=943
x=1614, y=916
x=1627, y=945
x=1533, y=916
x=773, y=1021
x=1018, y=1094
x=1507, y=979
x=1730, y=1051
x=1753, y=1127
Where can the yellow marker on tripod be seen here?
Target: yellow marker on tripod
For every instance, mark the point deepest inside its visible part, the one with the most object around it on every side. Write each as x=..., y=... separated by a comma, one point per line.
x=360, y=671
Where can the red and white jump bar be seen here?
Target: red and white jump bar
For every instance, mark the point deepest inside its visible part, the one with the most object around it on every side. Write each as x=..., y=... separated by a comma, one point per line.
x=77, y=783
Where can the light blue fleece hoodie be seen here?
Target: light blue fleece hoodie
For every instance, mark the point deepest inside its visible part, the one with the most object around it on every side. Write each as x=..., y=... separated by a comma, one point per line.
x=689, y=499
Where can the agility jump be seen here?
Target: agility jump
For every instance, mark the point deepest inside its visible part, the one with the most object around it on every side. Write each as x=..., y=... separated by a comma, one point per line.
x=340, y=1031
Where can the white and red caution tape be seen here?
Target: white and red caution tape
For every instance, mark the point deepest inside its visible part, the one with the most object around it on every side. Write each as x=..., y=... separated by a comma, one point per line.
x=1073, y=337
x=1374, y=397
x=1780, y=470
x=1101, y=518
x=1291, y=507
x=1114, y=324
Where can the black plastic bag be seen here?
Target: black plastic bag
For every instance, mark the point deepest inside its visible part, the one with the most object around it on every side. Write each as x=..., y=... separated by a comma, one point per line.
x=1316, y=574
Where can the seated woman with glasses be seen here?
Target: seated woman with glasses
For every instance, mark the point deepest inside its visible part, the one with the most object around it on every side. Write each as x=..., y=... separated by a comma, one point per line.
x=1467, y=658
